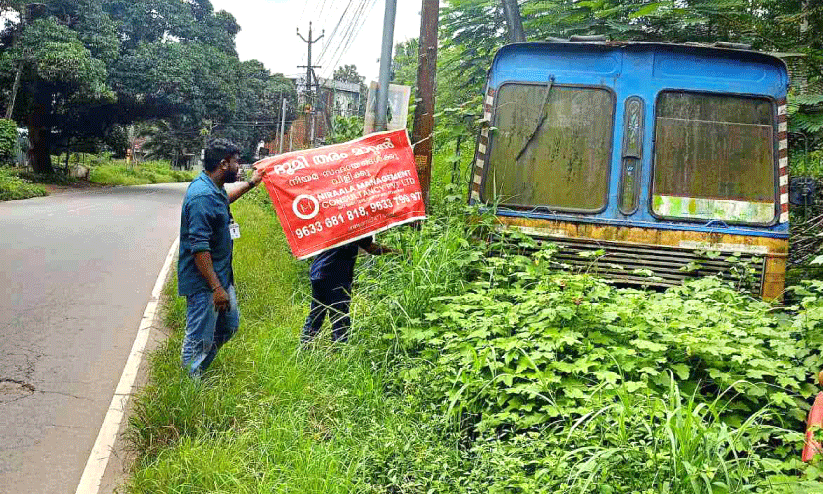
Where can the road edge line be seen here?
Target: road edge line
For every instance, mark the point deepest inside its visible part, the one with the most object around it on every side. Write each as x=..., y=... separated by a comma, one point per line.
x=104, y=445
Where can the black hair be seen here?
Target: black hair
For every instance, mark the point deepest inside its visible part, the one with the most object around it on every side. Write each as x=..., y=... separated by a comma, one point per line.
x=218, y=150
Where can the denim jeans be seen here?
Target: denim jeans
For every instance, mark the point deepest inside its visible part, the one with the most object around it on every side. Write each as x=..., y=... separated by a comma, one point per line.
x=207, y=330
x=333, y=298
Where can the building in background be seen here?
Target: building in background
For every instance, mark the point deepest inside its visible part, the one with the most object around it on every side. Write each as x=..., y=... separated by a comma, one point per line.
x=336, y=98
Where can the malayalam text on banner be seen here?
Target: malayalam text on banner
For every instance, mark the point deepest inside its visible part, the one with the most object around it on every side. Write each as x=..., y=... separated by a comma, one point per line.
x=330, y=196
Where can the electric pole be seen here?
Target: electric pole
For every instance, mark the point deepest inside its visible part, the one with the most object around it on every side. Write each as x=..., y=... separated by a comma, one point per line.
x=423, y=131
x=385, y=66
x=309, y=67
x=512, y=13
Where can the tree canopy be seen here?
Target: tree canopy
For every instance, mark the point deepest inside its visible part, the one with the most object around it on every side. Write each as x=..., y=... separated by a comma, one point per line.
x=87, y=67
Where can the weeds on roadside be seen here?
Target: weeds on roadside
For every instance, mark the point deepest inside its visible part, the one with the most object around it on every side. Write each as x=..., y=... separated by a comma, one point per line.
x=13, y=186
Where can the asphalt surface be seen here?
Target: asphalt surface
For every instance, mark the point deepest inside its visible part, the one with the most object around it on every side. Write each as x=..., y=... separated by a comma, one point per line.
x=77, y=272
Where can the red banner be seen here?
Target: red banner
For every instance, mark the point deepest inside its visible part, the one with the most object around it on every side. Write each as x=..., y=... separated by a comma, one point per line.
x=330, y=196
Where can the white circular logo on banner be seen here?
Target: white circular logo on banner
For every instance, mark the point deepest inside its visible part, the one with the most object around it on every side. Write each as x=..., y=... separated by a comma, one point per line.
x=305, y=207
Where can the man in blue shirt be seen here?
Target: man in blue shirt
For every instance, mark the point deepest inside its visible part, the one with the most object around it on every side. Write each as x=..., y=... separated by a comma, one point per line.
x=331, y=274
x=204, y=271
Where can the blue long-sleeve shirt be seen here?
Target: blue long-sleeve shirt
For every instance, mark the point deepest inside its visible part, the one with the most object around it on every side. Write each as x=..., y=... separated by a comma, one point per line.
x=204, y=226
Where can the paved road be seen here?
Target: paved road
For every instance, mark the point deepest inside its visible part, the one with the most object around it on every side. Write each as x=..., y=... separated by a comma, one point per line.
x=76, y=272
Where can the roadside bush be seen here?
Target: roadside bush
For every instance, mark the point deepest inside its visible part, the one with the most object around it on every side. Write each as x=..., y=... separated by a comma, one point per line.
x=14, y=187
x=8, y=141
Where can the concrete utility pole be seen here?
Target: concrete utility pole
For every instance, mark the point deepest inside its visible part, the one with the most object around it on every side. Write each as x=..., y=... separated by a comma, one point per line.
x=424, y=111
x=309, y=67
x=385, y=66
x=282, y=124
x=512, y=12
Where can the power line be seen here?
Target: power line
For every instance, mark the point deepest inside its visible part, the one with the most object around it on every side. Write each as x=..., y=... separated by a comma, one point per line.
x=334, y=32
x=349, y=34
x=347, y=23
x=302, y=12
x=322, y=8
x=367, y=6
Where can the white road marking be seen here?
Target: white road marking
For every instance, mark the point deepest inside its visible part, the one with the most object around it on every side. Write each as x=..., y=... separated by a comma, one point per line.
x=104, y=445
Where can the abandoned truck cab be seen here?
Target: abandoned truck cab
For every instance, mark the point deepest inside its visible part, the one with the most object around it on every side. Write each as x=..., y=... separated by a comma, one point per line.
x=658, y=154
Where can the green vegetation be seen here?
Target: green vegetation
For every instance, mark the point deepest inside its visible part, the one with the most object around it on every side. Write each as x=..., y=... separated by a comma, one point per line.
x=476, y=373
x=266, y=418
x=117, y=172
x=13, y=186
x=807, y=165
x=21, y=184
x=87, y=69
x=8, y=141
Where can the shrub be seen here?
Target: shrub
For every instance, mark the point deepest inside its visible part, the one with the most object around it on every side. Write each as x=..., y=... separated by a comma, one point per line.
x=14, y=187
x=559, y=382
x=8, y=141
x=150, y=172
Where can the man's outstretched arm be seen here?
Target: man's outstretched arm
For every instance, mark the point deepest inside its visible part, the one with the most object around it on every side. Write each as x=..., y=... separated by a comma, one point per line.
x=244, y=187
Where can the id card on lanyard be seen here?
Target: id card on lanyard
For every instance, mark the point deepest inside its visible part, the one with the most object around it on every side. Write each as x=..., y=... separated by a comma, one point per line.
x=234, y=227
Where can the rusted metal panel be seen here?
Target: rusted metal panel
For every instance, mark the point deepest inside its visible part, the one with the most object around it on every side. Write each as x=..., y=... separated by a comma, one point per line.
x=664, y=252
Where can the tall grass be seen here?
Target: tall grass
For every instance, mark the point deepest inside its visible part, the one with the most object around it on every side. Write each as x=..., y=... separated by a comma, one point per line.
x=266, y=417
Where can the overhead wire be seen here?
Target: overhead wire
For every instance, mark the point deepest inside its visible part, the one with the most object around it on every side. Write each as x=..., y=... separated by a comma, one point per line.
x=349, y=34
x=334, y=32
x=347, y=22
x=322, y=8
x=368, y=5
x=302, y=12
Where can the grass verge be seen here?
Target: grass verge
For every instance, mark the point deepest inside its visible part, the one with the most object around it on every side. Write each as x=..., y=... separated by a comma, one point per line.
x=266, y=417
x=117, y=172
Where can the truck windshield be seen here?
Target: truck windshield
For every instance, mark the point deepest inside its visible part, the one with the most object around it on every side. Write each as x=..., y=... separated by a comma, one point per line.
x=714, y=158
x=565, y=166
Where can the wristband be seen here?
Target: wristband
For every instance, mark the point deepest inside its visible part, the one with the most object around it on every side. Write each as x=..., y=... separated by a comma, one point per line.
x=251, y=184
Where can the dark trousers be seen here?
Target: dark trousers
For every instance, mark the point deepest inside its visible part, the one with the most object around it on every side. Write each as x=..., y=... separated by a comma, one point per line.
x=334, y=298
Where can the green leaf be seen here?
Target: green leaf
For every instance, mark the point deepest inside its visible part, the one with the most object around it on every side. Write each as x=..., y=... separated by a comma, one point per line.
x=649, y=9
x=682, y=371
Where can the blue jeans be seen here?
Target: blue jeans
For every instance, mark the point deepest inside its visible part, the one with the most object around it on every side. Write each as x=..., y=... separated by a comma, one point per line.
x=207, y=330
x=332, y=297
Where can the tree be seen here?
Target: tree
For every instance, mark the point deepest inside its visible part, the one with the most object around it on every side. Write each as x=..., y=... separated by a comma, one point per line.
x=169, y=139
x=61, y=60
x=260, y=99
x=89, y=66
x=348, y=73
x=404, y=65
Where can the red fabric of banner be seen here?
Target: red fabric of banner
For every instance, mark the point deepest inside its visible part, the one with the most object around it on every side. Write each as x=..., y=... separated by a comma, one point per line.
x=330, y=196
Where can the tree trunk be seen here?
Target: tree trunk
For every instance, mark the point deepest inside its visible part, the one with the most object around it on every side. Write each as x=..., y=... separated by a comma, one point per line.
x=40, y=149
x=40, y=132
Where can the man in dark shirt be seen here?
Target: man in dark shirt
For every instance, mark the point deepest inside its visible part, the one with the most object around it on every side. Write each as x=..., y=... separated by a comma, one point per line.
x=331, y=274
x=204, y=270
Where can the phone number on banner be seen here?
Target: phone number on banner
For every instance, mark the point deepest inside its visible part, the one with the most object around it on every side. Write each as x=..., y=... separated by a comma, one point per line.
x=355, y=214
